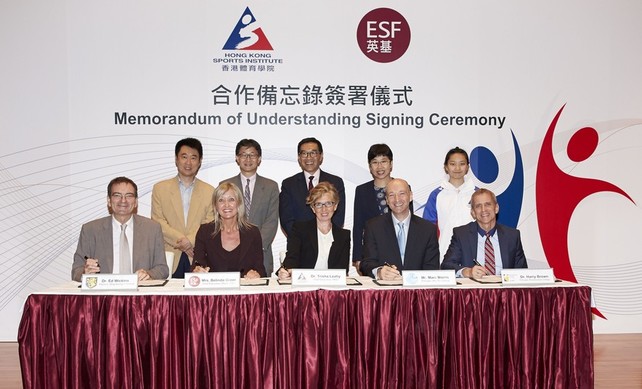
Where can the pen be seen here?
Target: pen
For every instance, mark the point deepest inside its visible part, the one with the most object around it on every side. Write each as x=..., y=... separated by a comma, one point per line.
x=476, y=263
x=392, y=266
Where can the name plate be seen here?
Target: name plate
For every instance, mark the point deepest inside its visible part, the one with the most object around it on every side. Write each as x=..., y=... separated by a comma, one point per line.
x=109, y=282
x=217, y=280
x=429, y=278
x=527, y=276
x=312, y=277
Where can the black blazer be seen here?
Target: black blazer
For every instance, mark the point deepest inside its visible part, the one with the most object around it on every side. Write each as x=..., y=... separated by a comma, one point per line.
x=303, y=247
x=292, y=205
x=380, y=245
x=463, y=247
x=365, y=208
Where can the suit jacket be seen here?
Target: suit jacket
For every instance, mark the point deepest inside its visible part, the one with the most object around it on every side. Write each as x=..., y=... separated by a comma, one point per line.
x=292, y=205
x=167, y=209
x=380, y=245
x=463, y=247
x=365, y=208
x=264, y=213
x=250, y=256
x=96, y=241
x=303, y=247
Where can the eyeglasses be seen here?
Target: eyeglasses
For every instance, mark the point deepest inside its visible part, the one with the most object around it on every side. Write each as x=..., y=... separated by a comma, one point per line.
x=309, y=154
x=327, y=204
x=248, y=155
x=119, y=196
x=382, y=163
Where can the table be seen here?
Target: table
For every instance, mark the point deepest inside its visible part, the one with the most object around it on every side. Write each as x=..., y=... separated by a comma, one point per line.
x=368, y=336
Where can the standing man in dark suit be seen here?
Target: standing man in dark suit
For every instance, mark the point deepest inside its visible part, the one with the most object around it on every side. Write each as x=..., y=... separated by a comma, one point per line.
x=295, y=189
x=398, y=240
x=122, y=243
x=260, y=195
x=484, y=247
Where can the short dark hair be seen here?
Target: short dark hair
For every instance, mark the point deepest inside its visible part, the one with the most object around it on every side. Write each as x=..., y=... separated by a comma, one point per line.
x=248, y=143
x=309, y=140
x=379, y=149
x=191, y=143
x=122, y=180
x=456, y=150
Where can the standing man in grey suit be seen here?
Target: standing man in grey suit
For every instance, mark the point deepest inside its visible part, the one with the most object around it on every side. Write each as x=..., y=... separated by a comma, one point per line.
x=484, y=247
x=261, y=196
x=122, y=243
x=398, y=240
x=295, y=189
x=182, y=203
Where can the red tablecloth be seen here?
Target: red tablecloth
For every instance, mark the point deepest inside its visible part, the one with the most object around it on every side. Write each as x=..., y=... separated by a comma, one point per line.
x=418, y=338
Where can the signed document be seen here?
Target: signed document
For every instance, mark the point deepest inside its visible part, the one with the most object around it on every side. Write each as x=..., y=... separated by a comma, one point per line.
x=495, y=279
x=148, y=283
x=255, y=281
x=398, y=282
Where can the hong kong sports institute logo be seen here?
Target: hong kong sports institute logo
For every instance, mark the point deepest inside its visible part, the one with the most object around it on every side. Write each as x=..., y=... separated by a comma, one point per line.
x=247, y=34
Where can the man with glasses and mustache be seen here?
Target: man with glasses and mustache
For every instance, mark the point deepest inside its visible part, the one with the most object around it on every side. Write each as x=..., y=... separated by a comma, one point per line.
x=260, y=196
x=295, y=189
x=122, y=243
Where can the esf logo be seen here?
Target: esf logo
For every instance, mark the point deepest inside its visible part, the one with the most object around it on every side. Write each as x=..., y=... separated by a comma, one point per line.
x=383, y=35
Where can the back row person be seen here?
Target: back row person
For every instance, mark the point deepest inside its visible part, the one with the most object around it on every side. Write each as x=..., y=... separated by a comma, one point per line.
x=182, y=203
x=260, y=196
x=448, y=206
x=370, y=197
x=295, y=189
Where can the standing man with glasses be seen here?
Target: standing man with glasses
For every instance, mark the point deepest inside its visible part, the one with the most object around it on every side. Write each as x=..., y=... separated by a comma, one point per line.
x=182, y=203
x=122, y=243
x=260, y=196
x=295, y=189
x=399, y=239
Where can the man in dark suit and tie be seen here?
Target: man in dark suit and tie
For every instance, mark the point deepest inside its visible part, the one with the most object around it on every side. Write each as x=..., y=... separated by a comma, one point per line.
x=484, y=247
x=261, y=196
x=122, y=243
x=295, y=189
x=398, y=240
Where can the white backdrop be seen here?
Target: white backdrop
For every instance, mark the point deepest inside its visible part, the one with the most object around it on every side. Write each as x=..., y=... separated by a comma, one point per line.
x=69, y=68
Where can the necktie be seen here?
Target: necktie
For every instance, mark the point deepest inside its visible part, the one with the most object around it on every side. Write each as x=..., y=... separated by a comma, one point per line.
x=247, y=197
x=125, y=259
x=401, y=240
x=310, y=186
x=489, y=255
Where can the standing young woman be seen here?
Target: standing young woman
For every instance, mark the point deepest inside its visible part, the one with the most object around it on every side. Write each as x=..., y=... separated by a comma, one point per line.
x=448, y=206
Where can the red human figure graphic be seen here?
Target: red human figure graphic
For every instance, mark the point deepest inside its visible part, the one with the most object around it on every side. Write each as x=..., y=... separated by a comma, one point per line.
x=558, y=194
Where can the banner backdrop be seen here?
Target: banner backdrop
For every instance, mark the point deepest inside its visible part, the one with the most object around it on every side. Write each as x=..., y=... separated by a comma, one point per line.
x=546, y=96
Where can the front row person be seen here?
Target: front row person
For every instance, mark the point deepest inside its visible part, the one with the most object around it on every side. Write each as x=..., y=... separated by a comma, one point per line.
x=229, y=243
x=318, y=243
x=483, y=247
x=398, y=240
x=122, y=243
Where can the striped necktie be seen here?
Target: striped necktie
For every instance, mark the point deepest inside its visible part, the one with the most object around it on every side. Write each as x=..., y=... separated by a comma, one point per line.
x=489, y=255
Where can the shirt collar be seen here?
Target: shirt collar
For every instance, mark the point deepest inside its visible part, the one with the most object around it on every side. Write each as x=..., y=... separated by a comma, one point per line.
x=482, y=232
